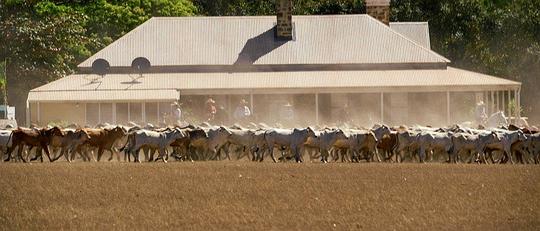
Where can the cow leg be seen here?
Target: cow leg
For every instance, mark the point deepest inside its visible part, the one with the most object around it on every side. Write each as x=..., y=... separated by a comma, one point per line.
x=146, y=156
x=296, y=153
x=388, y=155
x=226, y=150
x=44, y=147
x=474, y=156
x=36, y=156
x=100, y=152
x=376, y=153
x=91, y=154
x=162, y=155
x=260, y=154
x=347, y=155
x=61, y=154
x=117, y=153
x=354, y=156
x=112, y=154
x=127, y=156
x=271, y=150
x=66, y=154
x=421, y=154
x=490, y=155
x=8, y=152
x=254, y=155
x=324, y=155
x=74, y=152
x=135, y=153
x=510, y=157
x=149, y=153
x=83, y=153
x=20, y=154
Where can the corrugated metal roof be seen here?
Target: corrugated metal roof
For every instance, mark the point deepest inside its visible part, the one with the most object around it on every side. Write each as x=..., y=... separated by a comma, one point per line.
x=103, y=95
x=334, y=39
x=416, y=31
x=153, y=85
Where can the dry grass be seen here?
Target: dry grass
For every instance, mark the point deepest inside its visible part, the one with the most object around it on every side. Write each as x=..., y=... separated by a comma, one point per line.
x=241, y=195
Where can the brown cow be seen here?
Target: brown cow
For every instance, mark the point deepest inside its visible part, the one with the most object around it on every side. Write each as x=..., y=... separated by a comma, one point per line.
x=33, y=138
x=104, y=139
x=387, y=145
x=71, y=142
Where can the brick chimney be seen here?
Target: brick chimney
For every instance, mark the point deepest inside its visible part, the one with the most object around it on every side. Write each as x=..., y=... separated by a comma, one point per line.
x=284, y=19
x=379, y=9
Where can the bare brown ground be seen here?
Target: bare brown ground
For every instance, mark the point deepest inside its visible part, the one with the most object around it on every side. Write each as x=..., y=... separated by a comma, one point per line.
x=241, y=195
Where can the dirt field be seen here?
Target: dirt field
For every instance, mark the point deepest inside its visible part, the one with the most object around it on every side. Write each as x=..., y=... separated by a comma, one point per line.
x=238, y=195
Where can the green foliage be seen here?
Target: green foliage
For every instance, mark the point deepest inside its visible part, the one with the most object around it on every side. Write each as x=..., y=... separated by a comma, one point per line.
x=265, y=7
x=45, y=39
x=2, y=74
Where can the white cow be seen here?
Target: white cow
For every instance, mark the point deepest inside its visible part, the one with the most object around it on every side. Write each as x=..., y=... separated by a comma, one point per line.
x=434, y=141
x=153, y=140
x=293, y=139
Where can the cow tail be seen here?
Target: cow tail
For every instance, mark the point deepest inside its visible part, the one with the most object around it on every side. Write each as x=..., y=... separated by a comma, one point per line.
x=124, y=148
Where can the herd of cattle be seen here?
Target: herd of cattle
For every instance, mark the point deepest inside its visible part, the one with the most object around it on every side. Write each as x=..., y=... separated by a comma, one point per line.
x=194, y=143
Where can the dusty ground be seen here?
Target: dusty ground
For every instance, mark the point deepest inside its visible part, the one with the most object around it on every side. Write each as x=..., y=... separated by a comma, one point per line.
x=238, y=195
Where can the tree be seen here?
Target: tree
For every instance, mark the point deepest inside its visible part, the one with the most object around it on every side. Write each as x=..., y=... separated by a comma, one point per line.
x=42, y=41
x=45, y=40
x=496, y=37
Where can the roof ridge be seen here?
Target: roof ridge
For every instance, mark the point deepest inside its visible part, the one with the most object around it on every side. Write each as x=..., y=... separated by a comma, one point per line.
x=411, y=41
x=256, y=16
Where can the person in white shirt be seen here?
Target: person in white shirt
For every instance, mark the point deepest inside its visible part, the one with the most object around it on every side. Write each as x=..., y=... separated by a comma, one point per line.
x=287, y=114
x=177, y=113
x=242, y=111
x=480, y=113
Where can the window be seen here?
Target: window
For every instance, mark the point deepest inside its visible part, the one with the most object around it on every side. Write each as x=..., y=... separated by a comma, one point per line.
x=106, y=113
x=92, y=114
x=151, y=113
x=122, y=113
x=135, y=113
x=164, y=108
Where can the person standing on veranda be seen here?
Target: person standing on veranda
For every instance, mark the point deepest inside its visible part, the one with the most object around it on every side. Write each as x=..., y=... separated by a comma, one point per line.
x=242, y=111
x=480, y=113
x=177, y=114
x=211, y=109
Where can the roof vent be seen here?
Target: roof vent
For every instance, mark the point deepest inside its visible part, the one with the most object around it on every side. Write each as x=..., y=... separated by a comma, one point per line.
x=140, y=65
x=100, y=67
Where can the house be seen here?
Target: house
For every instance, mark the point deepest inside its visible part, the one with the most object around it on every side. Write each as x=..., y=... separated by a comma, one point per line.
x=380, y=71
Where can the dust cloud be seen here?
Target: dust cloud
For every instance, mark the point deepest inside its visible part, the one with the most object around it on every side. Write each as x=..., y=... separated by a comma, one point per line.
x=352, y=110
